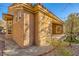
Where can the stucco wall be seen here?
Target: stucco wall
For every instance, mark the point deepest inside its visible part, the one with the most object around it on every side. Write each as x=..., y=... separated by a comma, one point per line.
x=23, y=29
x=28, y=28
x=18, y=29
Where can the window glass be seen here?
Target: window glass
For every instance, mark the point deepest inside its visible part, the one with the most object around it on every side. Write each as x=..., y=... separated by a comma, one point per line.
x=18, y=15
x=9, y=26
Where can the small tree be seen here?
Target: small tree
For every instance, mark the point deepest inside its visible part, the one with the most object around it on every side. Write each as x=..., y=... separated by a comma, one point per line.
x=70, y=25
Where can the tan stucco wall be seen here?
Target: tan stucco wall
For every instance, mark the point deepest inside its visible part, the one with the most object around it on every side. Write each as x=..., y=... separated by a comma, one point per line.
x=18, y=30
x=23, y=29
x=37, y=41
x=28, y=28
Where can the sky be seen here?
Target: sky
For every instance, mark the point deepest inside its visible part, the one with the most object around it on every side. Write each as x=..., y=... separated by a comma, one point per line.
x=61, y=10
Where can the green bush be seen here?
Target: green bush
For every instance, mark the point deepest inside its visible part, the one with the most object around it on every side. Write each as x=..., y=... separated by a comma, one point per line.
x=74, y=40
x=60, y=47
x=57, y=43
x=63, y=52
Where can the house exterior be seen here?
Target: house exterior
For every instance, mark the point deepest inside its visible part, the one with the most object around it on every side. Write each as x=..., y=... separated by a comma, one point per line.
x=31, y=25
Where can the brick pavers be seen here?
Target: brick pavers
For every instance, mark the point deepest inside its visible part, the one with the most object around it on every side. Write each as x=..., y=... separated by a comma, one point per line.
x=30, y=51
x=2, y=45
x=75, y=49
x=12, y=49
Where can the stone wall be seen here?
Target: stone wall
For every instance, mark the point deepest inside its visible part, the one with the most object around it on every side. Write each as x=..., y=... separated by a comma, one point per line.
x=44, y=29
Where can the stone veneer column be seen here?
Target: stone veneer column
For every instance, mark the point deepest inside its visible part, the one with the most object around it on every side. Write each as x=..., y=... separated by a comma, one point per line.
x=43, y=29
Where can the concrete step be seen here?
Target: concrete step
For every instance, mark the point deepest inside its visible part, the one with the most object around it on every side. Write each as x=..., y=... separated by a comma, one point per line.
x=58, y=36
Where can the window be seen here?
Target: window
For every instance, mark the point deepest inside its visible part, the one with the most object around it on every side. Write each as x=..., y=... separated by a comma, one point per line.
x=9, y=31
x=58, y=29
x=18, y=15
x=9, y=27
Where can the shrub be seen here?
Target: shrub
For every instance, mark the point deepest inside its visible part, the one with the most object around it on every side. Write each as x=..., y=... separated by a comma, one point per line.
x=74, y=39
x=60, y=47
x=57, y=43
